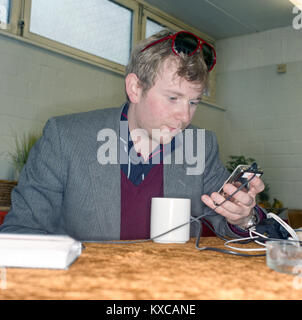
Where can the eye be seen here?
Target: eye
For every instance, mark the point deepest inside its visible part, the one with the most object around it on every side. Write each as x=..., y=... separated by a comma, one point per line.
x=173, y=98
x=194, y=103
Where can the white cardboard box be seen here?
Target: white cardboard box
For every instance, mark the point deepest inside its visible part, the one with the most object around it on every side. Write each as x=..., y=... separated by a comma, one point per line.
x=38, y=251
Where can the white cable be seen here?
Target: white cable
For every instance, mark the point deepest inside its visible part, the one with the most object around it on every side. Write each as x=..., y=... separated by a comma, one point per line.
x=284, y=225
x=242, y=249
x=253, y=231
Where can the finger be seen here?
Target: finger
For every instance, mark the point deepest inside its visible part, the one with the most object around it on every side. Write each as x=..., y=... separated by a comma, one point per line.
x=218, y=203
x=256, y=185
x=208, y=201
x=238, y=184
x=227, y=205
x=244, y=198
x=230, y=216
x=212, y=202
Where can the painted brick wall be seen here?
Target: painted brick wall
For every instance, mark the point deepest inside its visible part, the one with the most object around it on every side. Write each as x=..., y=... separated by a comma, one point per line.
x=36, y=84
x=264, y=108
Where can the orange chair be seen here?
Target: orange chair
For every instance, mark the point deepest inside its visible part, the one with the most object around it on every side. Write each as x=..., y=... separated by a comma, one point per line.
x=295, y=218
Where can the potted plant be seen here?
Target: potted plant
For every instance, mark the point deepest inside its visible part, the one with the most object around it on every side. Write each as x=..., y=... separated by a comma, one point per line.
x=18, y=158
x=23, y=146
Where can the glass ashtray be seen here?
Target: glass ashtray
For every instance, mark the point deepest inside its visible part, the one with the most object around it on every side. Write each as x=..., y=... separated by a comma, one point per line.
x=284, y=256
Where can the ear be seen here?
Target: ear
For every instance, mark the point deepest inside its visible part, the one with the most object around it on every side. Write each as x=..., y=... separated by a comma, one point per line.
x=133, y=87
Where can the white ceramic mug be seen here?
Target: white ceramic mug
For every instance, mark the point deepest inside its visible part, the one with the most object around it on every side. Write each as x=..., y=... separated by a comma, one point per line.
x=168, y=213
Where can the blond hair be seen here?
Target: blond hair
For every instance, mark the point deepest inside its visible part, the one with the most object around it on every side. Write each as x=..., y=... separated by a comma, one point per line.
x=146, y=64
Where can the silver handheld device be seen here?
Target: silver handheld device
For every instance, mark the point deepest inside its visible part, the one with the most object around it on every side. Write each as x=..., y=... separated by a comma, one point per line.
x=240, y=175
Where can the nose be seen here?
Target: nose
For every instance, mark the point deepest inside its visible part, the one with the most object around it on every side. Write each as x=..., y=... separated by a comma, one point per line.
x=183, y=112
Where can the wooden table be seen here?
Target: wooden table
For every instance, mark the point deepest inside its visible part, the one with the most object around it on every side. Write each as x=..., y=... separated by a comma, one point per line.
x=153, y=271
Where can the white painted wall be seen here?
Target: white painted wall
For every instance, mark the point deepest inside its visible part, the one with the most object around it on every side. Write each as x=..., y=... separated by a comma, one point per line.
x=264, y=108
x=36, y=84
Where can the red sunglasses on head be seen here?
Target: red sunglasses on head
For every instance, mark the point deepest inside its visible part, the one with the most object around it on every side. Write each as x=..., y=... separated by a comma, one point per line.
x=188, y=43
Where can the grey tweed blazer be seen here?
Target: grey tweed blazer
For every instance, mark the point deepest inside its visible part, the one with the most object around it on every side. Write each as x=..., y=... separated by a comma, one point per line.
x=63, y=189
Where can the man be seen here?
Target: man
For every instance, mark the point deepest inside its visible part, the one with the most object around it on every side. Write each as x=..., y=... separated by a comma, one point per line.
x=72, y=183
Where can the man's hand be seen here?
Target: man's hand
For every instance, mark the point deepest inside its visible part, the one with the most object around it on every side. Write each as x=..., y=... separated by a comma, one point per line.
x=238, y=209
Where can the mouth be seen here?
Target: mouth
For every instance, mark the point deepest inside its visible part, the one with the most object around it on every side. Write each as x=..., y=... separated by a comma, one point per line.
x=173, y=129
x=169, y=130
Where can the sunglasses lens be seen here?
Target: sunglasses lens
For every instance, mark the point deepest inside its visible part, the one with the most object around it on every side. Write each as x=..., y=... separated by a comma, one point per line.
x=188, y=44
x=208, y=55
x=185, y=43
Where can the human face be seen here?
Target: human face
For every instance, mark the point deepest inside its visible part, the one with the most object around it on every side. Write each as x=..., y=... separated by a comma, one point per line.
x=168, y=107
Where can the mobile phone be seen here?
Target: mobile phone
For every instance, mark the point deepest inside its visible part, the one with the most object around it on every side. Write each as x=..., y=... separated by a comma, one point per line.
x=240, y=175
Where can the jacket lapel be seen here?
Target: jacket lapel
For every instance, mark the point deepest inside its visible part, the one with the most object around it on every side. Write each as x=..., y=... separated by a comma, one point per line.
x=106, y=188
x=106, y=184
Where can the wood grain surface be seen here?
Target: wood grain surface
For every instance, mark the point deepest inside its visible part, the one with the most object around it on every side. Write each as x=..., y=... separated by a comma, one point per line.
x=153, y=271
